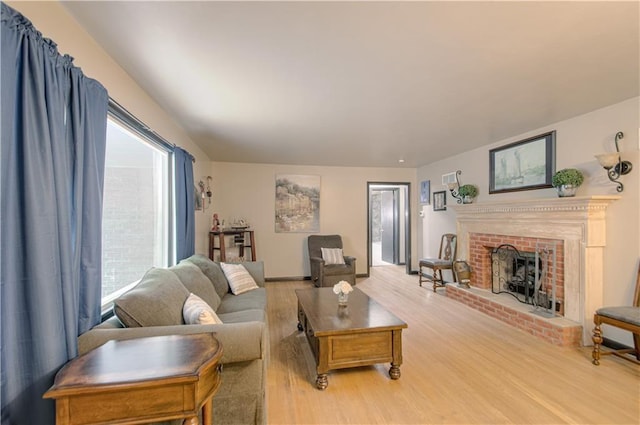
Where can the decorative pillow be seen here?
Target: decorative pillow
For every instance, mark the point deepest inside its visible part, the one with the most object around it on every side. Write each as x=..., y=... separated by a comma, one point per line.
x=156, y=300
x=197, y=312
x=239, y=278
x=212, y=271
x=197, y=283
x=332, y=255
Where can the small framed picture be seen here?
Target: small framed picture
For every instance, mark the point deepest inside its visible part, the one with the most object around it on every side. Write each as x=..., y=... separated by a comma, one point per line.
x=440, y=201
x=425, y=192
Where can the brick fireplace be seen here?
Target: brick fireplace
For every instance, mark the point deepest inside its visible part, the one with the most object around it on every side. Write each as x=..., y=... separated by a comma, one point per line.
x=577, y=226
x=481, y=246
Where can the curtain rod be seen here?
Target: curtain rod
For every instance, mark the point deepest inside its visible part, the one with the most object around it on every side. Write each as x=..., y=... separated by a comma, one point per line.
x=125, y=117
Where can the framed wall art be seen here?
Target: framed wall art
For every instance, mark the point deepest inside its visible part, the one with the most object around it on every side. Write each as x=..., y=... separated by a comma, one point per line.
x=525, y=165
x=297, y=203
x=440, y=200
x=425, y=192
x=197, y=197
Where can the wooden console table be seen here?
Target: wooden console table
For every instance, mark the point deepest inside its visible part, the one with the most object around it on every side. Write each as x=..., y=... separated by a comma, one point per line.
x=240, y=234
x=140, y=381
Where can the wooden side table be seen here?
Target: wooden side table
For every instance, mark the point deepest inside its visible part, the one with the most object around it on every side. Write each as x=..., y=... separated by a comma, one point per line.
x=140, y=381
x=240, y=233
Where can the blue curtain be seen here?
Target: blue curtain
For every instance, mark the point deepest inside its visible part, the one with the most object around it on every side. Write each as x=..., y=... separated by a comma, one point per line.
x=51, y=185
x=185, y=204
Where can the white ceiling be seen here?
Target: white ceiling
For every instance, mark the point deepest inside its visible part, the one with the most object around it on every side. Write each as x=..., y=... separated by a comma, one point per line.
x=368, y=83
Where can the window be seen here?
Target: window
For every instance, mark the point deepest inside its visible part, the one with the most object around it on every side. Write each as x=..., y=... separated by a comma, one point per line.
x=135, y=223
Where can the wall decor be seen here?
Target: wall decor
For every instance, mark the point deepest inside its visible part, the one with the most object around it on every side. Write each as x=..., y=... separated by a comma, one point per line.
x=197, y=197
x=297, y=203
x=425, y=192
x=440, y=200
x=524, y=165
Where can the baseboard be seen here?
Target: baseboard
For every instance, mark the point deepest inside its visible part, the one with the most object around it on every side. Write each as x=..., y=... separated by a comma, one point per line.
x=293, y=278
x=286, y=278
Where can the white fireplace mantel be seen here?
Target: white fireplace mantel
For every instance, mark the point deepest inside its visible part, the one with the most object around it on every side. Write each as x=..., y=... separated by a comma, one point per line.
x=578, y=221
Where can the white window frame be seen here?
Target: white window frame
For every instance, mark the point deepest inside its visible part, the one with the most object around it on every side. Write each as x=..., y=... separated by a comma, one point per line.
x=126, y=120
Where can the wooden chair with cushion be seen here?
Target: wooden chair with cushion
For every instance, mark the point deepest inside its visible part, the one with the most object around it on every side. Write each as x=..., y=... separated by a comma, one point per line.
x=446, y=255
x=623, y=317
x=333, y=266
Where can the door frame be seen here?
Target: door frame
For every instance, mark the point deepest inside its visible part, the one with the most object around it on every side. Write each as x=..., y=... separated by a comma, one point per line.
x=407, y=215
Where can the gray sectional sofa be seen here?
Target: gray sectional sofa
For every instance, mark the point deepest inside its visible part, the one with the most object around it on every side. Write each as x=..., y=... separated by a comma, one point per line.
x=154, y=307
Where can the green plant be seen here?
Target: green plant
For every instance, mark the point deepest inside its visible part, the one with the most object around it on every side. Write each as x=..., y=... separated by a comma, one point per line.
x=468, y=190
x=567, y=176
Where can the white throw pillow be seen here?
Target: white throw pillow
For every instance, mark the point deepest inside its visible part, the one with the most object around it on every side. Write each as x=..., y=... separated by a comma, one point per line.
x=332, y=256
x=197, y=312
x=239, y=278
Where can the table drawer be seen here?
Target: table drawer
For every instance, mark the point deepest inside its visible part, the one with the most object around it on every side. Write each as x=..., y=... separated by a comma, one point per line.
x=359, y=349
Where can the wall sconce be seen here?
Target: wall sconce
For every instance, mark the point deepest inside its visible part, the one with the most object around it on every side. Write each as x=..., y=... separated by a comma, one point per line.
x=614, y=165
x=453, y=184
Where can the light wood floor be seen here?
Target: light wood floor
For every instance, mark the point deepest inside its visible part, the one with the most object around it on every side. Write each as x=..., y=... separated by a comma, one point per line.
x=460, y=367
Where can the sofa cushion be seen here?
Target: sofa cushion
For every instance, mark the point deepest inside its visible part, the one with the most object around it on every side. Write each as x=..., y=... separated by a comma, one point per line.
x=332, y=255
x=255, y=269
x=256, y=299
x=197, y=312
x=240, y=281
x=212, y=271
x=197, y=283
x=244, y=316
x=156, y=300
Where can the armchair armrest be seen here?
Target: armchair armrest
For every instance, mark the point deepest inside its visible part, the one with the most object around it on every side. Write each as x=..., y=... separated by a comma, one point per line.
x=317, y=268
x=350, y=260
x=240, y=341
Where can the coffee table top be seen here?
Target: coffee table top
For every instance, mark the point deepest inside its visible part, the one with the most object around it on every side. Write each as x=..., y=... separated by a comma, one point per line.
x=362, y=314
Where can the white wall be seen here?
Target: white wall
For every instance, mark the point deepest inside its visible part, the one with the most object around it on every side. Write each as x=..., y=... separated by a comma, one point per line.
x=577, y=141
x=248, y=190
x=52, y=20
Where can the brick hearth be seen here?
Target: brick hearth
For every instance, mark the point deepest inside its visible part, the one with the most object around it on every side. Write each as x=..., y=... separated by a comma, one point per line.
x=557, y=330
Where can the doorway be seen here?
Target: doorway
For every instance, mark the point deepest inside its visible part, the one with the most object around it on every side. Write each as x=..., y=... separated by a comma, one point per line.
x=389, y=230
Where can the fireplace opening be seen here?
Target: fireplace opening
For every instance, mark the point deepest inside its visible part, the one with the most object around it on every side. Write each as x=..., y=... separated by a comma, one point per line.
x=527, y=276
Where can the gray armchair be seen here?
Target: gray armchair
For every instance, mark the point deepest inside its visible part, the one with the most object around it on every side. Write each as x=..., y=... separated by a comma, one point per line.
x=323, y=274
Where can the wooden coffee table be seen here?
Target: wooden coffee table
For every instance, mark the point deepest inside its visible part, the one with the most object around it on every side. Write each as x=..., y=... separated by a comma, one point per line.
x=139, y=381
x=362, y=333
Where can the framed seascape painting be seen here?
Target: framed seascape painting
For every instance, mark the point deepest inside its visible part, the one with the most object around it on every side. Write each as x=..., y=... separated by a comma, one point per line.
x=525, y=165
x=425, y=192
x=297, y=203
x=440, y=200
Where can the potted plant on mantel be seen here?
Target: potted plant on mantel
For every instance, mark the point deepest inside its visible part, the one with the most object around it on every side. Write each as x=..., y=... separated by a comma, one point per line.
x=567, y=181
x=468, y=192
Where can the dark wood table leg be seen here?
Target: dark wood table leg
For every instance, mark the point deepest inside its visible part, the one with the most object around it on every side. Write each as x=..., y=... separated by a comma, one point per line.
x=252, y=242
x=396, y=341
x=322, y=368
x=223, y=253
x=394, y=371
x=322, y=381
x=207, y=412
